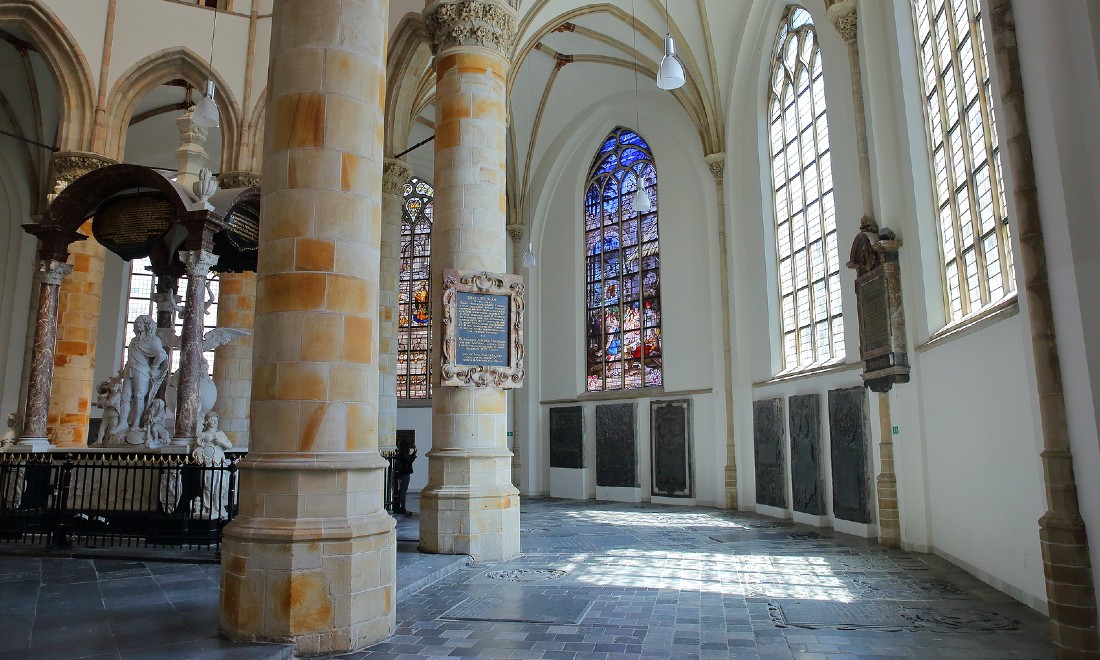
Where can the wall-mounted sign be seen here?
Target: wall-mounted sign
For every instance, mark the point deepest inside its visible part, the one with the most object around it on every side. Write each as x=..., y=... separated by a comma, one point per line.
x=482, y=330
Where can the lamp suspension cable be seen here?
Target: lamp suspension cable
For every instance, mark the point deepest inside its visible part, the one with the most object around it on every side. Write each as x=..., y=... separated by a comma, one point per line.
x=205, y=112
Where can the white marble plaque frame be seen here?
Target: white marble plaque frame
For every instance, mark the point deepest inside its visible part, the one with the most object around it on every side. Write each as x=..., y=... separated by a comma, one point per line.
x=453, y=374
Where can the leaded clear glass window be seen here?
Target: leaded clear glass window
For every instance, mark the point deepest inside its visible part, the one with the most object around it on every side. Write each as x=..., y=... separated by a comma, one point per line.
x=140, y=301
x=808, y=265
x=414, y=313
x=972, y=220
x=622, y=268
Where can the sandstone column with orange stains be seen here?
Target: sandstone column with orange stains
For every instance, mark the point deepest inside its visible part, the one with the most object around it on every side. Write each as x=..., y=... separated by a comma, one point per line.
x=394, y=176
x=469, y=505
x=310, y=558
x=233, y=361
x=77, y=327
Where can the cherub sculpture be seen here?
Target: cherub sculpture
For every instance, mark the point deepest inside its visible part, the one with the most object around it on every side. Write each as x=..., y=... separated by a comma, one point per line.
x=156, y=418
x=109, y=398
x=15, y=429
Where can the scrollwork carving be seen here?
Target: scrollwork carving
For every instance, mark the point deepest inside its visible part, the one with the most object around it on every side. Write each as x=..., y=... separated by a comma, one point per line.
x=68, y=166
x=395, y=174
x=842, y=14
x=453, y=373
x=471, y=23
x=231, y=180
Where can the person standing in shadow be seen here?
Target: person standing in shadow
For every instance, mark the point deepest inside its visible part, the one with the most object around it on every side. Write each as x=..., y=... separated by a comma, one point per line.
x=403, y=466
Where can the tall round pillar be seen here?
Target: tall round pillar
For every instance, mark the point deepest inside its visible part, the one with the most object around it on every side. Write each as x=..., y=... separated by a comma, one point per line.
x=77, y=329
x=395, y=174
x=310, y=558
x=40, y=381
x=469, y=505
x=233, y=361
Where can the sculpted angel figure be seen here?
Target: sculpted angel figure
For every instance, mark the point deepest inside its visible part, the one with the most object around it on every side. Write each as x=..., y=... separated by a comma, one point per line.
x=146, y=366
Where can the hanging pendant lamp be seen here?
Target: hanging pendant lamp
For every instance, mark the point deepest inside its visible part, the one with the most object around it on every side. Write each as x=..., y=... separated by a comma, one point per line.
x=640, y=200
x=528, y=259
x=206, y=112
x=670, y=75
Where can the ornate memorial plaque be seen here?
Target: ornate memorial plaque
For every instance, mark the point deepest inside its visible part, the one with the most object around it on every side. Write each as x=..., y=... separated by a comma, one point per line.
x=671, y=447
x=882, y=344
x=129, y=224
x=807, y=477
x=244, y=227
x=567, y=437
x=770, y=452
x=482, y=330
x=616, y=446
x=849, y=438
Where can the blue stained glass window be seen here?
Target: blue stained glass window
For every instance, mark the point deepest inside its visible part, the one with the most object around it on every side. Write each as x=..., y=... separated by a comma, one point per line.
x=414, y=328
x=622, y=268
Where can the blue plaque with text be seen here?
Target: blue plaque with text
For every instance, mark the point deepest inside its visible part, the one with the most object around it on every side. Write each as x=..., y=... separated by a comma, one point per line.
x=481, y=329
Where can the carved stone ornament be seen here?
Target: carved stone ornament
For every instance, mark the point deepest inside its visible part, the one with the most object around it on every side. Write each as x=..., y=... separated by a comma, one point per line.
x=717, y=164
x=68, y=166
x=231, y=180
x=54, y=271
x=882, y=342
x=206, y=186
x=515, y=232
x=482, y=330
x=471, y=23
x=842, y=14
x=198, y=262
x=395, y=174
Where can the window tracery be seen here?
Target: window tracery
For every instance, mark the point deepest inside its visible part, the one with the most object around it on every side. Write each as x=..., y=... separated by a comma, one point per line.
x=622, y=268
x=808, y=263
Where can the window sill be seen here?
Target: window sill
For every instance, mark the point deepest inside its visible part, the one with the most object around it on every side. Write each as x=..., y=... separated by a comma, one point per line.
x=835, y=367
x=414, y=403
x=612, y=395
x=984, y=318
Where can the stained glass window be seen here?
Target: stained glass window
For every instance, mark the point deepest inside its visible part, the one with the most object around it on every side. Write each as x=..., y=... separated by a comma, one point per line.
x=808, y=265
x=622, y=268
x=140, y=301
x=414, y=315
x=972, y=221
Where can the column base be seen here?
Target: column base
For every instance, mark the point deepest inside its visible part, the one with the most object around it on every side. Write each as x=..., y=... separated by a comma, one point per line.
x=34, y=444
x=182, y=442
x=480, y=521
x=325, y=585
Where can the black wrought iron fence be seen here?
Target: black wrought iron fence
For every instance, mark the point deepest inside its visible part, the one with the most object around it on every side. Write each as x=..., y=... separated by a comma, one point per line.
x=102, y=500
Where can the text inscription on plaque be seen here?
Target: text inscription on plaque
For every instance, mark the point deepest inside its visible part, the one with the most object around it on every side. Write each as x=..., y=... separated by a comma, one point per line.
x=129, y=224
x=481, y=329
x=875, y=315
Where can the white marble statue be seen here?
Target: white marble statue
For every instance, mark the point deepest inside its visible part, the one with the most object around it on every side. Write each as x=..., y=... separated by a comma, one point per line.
x=155, y=429
x=109, y=398
x=208, y=391
x=15, y=429
x=146, y=367
x=209, y=452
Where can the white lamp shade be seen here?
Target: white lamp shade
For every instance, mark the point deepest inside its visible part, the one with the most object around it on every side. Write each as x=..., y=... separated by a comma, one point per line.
x=528, y=260
x=670, y=75
x=641, y=199
x=206, y=113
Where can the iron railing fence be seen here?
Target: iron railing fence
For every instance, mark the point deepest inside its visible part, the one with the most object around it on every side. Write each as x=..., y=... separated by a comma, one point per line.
x=118, y=499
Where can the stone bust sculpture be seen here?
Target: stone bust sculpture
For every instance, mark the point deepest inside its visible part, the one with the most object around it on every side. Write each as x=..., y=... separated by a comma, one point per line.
x=146, y=366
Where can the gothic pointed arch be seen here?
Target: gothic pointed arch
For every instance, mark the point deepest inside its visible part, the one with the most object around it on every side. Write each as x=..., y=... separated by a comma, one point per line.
x=408, y=63
x=66, y=63
x=157, y=69
x=622, y=267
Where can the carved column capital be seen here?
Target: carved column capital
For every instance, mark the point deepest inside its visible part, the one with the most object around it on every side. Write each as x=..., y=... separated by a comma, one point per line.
x=717, y=164
x=395, y=174
x=68, y=166
x=230, y=180
x=515, y=232
x=198, y=262
x=842, y=14
x=487, y=23
x=54, y=271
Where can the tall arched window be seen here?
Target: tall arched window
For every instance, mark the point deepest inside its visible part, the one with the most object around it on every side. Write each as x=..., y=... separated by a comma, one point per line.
x=414, y=315
x=622, y=268
x=811, y=325
x=972, y=219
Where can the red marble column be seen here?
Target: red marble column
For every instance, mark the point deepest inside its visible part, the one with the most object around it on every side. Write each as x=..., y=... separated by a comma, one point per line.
x=42, y=353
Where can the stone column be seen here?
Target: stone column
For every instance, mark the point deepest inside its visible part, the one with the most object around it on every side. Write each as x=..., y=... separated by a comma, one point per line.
x=1063, y=538
x=77, y=329
x=395, y=174
x=233, y=361
x=469, y=505
x=42, y=353
x=167, y=302
x=198, y=264
x=716, y=162
x=310, y=559
x=520, y=399
x=843, y=15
